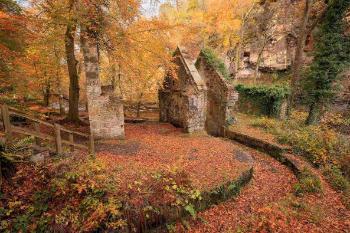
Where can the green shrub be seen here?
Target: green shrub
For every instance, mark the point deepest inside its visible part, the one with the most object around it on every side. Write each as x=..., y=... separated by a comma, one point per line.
x=335, y=177
x=216, y=62
x=308, y=183
x=339, y=182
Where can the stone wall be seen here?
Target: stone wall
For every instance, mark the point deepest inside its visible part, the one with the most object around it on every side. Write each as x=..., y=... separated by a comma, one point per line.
x=182, y=99
x=260, y=107
x=197, y=99
x=106, y=116
x=182, y=110
x=221, y=98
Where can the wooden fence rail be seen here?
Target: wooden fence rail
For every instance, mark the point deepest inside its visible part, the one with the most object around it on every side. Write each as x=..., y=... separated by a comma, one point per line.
x=55, y=137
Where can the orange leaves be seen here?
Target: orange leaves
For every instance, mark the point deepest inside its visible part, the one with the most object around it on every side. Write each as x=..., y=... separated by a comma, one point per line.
x=11, y=23
x=162, y=147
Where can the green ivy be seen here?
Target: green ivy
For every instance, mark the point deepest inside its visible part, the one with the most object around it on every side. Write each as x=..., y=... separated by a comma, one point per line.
x=269, y=99
x=331, y=58
x=216, y=62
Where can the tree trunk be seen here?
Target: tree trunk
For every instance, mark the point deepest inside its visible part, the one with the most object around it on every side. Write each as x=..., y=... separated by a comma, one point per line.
x=113, y=72
x=0, y=178
x=258, y=61
x=298, y=59
x=120, y=81
x=73, y=113
x=47, y=93
x=315, y=113
x=138, y=107
x=240, y=44
x=239, y=50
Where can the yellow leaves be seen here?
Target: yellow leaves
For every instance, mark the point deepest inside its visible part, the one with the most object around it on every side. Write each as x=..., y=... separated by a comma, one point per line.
x=80, y=188
x=139, y=61
x=95, y=218
x=203, y=20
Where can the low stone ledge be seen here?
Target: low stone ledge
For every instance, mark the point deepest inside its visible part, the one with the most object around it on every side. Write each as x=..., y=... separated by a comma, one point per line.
x=276, y=151
x=217, y=195
x=224, y=192
x=135, y=120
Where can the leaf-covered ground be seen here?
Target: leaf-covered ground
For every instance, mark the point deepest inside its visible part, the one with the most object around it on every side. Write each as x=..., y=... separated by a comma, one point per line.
x=209, y=161
x=268, y=204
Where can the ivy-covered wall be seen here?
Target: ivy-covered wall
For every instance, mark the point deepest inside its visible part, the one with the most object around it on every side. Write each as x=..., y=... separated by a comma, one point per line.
x=221, y=95
x=263, y=100
x=213, y=60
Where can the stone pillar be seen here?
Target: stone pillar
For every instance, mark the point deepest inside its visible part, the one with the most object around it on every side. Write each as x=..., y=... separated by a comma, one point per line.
x=106, y=114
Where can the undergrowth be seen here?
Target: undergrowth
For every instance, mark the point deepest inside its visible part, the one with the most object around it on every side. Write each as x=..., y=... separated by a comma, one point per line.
x=322, y=145
x=81, y=195
x=307, y=183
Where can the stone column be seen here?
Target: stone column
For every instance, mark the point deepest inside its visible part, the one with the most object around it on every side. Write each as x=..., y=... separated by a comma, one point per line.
x=106, y=114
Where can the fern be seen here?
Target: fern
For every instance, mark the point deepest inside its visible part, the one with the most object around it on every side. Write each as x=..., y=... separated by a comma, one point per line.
x=13, y=153
x=20, y=145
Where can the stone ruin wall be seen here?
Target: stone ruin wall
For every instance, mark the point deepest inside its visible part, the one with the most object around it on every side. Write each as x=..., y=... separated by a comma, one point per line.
x=106, y=114
x=182, y=110
x=200, y=99
x=221, y=98
x=181, y=102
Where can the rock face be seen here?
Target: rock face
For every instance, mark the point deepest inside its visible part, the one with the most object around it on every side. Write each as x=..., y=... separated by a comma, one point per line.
x=106, y=114
x=198, y=99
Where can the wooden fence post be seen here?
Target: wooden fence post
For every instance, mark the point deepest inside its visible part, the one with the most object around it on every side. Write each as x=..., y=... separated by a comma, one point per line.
x=37, y=130
x=71, y=140
x=7, y=122
x=58, y=139
x=91, y=145
x=224, y=131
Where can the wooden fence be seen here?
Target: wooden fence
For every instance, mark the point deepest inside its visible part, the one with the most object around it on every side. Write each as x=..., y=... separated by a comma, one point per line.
x=54, y=137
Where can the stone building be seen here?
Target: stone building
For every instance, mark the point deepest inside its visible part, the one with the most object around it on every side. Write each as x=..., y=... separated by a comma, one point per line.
x=198, y=98
x=182, y=101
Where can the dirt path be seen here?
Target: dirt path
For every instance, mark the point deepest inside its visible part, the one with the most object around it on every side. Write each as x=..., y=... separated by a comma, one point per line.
x=267, y=204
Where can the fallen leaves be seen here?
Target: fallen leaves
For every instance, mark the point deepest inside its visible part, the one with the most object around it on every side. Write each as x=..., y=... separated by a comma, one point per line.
x=150, y=147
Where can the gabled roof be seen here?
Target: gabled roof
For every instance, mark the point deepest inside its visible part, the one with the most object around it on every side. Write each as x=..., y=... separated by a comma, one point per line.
x=191, y=69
